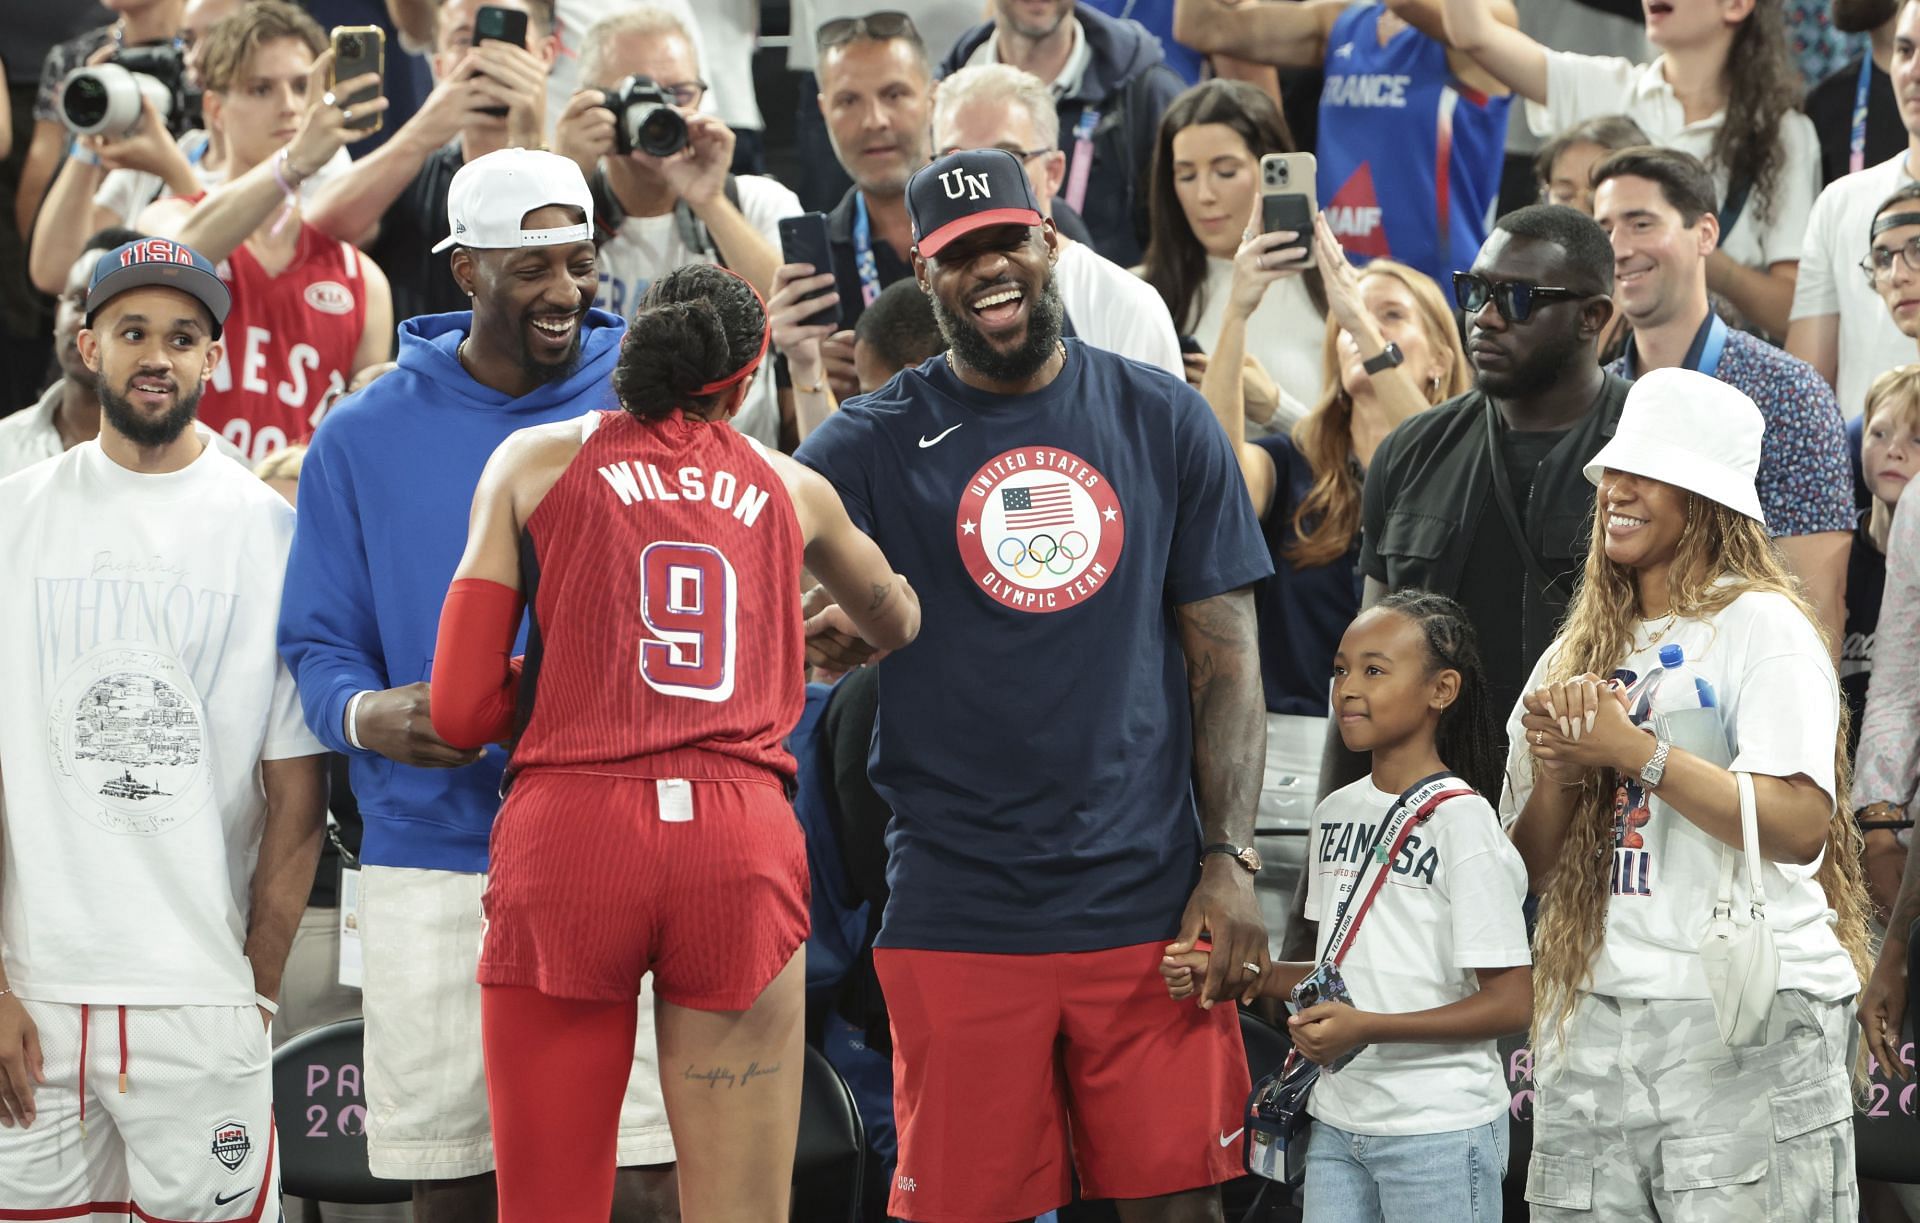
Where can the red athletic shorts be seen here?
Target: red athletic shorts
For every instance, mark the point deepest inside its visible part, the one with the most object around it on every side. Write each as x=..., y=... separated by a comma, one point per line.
x=1010, y=1070
x=590, y=889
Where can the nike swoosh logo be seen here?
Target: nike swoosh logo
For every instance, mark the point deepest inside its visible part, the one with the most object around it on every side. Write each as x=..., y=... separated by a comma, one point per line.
x=234, y=1197
x=1226, y=1140
x=935, y=439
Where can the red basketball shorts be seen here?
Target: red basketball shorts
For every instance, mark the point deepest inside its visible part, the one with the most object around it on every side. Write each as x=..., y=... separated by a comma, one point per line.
x=1012, y=1071
x=596, y=880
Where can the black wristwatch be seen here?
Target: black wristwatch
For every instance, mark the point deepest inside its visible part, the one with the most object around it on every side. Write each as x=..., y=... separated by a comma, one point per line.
x=1388, y=358
x=1248, y=858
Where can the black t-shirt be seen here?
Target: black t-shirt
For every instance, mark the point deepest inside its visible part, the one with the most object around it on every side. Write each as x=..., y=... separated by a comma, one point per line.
x=1494, y=585
x=1866, y=581
x=1830, y=105
x=412, y=226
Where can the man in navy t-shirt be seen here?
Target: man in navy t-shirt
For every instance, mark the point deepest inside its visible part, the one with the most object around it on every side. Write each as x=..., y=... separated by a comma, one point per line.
x=1084, y=548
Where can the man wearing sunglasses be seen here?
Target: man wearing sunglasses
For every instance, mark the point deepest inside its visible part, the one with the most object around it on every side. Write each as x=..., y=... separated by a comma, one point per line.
x=1482, y=497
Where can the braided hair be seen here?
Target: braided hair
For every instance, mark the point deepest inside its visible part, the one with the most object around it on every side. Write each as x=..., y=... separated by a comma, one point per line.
x=1468, y=739
x=695, y=325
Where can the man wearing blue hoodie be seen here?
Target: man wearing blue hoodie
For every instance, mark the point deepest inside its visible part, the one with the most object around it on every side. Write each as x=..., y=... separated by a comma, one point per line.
x=1111, y=84
x=384, y=496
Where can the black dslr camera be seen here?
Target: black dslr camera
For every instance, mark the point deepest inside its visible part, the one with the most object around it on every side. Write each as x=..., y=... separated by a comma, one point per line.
x=104, y=99
x=644, y=118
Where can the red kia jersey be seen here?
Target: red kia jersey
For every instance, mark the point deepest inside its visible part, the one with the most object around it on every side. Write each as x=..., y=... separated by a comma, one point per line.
x=663, y=573
x=288, y=344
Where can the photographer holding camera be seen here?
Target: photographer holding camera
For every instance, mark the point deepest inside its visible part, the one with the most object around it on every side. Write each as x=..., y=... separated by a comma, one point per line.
x=663, y=197
x=308, y=311
x=487, y=95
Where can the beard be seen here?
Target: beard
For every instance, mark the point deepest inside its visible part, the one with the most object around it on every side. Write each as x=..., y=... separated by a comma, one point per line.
x=1045, y=317
x=147, y=431
x=1548, y=361
x=1860, y=16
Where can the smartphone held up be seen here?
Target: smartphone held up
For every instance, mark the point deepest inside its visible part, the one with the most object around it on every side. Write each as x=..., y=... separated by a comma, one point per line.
x=1287, y=199
x=358, y=50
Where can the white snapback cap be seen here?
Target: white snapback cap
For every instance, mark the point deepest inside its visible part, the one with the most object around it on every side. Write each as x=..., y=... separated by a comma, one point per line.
x=489, y=195
x=1695, y=432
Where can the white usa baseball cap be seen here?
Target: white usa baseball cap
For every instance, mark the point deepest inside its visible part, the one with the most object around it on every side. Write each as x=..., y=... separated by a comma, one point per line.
x=489, y=196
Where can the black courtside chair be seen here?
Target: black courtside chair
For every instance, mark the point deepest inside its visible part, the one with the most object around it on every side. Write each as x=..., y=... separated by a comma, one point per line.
x=829, y=1166
x=320, y=1115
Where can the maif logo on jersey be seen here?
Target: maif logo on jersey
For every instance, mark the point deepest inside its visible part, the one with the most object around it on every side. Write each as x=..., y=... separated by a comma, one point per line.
x=1039, y=529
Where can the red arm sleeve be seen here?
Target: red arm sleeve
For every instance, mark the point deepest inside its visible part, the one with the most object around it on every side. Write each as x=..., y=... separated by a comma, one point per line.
x=474, y=684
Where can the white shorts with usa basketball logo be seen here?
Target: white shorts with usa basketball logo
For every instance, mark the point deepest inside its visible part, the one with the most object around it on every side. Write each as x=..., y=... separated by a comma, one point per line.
x=167, y=1115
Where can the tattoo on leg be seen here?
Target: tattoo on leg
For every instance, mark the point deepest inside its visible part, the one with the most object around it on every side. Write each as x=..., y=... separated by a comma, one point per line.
x=724, y=1076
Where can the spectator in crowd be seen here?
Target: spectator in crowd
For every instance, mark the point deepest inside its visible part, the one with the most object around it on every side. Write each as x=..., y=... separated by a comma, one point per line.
x=159, y=928
x=114, y=178
x=997, y=106
x=1389, y=350
x=1204, y=198
x=1504, y=535
x=393, y=202
x=897, y=332
x=1110, y=86
x=1890, y=458
x=1840, y=327
x=358, y=630
x=137, y=23
x=1723, y=89
x=1656, y=206
x=1850, y=141
x=904, y=335
x=308, y=311
x=69, y=412
x=1564, y=165
x=654, y=214
x=1399, y=101
x=1624, y=832
x=1047, y=443
x=731, y=33
x=1815, y=41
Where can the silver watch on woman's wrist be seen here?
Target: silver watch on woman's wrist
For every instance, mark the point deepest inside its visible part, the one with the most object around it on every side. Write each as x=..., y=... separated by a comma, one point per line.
x=1656, y=766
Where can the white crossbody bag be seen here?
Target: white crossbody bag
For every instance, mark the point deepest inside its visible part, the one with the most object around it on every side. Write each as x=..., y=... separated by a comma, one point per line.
x=1742, y=964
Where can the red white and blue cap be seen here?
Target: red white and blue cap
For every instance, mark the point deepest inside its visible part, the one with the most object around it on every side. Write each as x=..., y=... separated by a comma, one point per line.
x=159, y=263
x=965, y=191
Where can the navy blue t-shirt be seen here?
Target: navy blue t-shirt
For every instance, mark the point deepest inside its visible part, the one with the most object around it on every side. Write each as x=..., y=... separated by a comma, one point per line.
x=1303, y=611
x=1035, y=743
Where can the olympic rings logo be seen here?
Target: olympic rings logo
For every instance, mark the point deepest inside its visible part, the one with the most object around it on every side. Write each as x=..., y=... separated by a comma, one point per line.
x=1043, y=552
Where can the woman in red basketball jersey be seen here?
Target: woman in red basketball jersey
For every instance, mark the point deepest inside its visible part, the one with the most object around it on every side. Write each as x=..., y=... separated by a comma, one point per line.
x=646, y=826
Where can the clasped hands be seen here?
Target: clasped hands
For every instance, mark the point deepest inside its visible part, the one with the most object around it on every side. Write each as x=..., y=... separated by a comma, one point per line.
x=1580, y=724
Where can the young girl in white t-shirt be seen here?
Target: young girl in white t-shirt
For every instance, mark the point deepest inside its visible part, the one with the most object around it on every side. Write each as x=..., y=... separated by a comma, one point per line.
x=1641, y=1110
x=1415, y=1127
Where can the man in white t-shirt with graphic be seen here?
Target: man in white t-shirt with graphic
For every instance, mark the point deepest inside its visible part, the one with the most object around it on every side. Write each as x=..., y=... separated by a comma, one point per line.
x=999, y=106
x=164, y=800
x=654, y=214
x=1840, y=326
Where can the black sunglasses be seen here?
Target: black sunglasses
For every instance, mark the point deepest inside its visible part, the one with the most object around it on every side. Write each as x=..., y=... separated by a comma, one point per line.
x=1514, y=299
x=881, y=27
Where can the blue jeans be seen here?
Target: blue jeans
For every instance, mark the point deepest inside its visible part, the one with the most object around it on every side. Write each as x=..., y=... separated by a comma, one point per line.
x=1409, y=1178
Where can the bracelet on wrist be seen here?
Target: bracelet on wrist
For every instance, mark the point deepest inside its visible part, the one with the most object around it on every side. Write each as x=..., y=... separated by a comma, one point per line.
x=816, y=389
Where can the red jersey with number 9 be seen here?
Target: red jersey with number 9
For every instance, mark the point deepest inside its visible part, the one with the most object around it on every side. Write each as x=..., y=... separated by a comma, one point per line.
x=663, y=573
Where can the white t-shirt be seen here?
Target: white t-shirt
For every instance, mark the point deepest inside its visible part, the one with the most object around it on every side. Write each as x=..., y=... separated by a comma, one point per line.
x=1111, y=308
x=1778, y=698
x=1831, y=281
x=1286, y=333
x=940, y=22
x=127, y=192
x=647, y=248
x=137, y=621
x=729, y=29
x=1581, y=87
x=1451, y=904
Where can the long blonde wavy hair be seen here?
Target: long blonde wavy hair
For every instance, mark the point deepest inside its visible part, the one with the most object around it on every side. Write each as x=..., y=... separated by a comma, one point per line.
x=1718, y=544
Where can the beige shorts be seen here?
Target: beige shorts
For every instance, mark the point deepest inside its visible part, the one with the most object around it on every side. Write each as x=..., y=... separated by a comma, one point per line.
x=425, y=1080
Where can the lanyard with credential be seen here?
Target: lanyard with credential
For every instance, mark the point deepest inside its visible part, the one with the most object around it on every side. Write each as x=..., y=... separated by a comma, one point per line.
x=1715, y=345
x=1082, y=159
x=1857, y=142
x=863, y=260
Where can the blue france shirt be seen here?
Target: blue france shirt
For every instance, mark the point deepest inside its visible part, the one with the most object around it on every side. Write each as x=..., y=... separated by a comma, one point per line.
x=1035, y=743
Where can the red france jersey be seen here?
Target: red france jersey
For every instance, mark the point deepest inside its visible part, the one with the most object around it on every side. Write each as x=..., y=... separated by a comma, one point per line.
x=288, y=344
x=663, y=573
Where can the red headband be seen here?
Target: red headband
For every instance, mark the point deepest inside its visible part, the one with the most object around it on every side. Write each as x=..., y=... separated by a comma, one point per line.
x=766, y=336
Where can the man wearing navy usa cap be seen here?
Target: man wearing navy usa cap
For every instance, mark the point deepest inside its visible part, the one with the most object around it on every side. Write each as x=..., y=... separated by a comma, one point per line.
x=163, y=801
x=1071, y=750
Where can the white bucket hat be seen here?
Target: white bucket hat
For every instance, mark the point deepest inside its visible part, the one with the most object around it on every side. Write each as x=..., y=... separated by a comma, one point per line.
x=1694, y=432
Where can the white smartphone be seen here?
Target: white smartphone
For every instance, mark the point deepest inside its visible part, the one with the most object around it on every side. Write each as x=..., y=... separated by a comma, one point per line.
x=1287, y=199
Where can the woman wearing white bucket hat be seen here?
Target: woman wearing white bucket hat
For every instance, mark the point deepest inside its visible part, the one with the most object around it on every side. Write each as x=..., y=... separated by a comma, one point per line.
x=1624, y=835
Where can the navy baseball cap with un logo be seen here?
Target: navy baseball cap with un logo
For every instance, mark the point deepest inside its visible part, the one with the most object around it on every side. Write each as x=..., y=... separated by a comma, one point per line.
x=965, y=191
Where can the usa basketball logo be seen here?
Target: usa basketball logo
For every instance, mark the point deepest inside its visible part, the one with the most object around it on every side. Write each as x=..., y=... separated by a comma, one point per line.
x=231, y=1145
x=1039, y=529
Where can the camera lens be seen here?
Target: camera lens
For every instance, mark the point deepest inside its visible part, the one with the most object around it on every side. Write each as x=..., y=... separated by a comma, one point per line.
x=662, y=132
x=351, y=46
x=85, y=101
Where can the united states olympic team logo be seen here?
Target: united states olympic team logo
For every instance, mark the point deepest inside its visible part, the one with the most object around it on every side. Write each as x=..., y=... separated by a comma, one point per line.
x=1039, y=529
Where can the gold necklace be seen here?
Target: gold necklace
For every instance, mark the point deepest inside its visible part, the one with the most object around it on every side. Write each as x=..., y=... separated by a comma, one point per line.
x=1671, y=618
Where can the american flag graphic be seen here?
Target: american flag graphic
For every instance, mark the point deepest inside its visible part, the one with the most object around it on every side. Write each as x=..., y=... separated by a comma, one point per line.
x=1038, y=505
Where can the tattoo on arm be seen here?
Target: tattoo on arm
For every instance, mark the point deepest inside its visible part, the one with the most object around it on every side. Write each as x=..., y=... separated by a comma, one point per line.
x=1218, y=636
x=880, y=594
